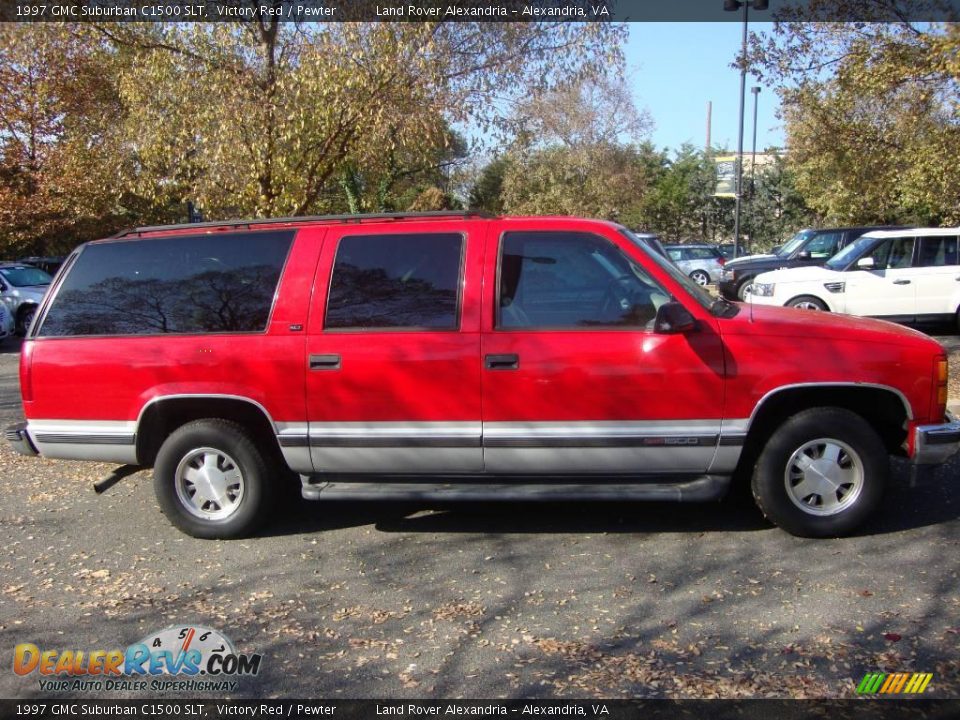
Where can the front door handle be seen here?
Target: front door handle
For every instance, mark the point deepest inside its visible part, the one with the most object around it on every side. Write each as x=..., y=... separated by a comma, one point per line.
x=324, y=362
x=502, y=362
x=901, y=282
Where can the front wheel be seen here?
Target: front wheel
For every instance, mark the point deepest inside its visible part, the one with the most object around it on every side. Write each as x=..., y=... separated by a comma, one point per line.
x=821, y=473
x=744, y=289
x=700, y=278
x=211, y=480
x=808, y=302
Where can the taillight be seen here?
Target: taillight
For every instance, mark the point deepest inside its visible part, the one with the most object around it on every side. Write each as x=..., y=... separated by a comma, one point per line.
x=722, y=260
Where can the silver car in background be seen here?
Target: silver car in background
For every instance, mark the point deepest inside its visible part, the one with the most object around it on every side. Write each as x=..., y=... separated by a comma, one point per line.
x=21, y=289
x=703, y=263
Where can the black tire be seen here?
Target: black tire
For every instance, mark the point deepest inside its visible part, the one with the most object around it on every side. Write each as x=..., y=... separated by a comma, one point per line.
x=776, y=468
x=700, y=278
x=743, y=287
x=232, y=450
x=808, y=302
x=25, y=317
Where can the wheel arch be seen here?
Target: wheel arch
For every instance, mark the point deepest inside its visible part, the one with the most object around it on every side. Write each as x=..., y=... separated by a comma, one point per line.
x=164, y=414
x=884, y=408
x=810, y=295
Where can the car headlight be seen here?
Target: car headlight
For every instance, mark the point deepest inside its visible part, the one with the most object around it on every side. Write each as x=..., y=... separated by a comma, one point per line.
x=763, y=289
x=726, y=274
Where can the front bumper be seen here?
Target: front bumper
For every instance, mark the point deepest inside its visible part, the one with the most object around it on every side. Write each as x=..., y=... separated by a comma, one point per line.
x=935, y=444
x=17, y=437
x=728, y=287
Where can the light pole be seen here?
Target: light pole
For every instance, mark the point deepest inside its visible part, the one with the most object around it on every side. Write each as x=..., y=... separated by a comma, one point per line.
x=733, y=6
x=753, y=159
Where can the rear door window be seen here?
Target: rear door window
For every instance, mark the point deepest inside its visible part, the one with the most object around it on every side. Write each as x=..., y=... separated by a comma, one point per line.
x=398, y=282
x=703, y=254
x=223, y=282
x=938, y=251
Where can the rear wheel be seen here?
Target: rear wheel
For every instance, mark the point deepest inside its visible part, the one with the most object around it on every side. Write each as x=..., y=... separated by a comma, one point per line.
x=821, y=473
x=211, y=480
x=808, y=302
x=700, y=278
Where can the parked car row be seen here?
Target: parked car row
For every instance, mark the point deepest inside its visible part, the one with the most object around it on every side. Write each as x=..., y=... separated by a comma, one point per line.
x=807, y=247
x=908, y=276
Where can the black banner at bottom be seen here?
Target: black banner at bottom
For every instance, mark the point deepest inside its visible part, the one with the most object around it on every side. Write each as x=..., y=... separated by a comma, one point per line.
x=447, y=709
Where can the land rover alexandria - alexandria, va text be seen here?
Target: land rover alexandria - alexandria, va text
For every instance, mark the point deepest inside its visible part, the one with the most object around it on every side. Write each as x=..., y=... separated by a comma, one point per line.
x=461, y=356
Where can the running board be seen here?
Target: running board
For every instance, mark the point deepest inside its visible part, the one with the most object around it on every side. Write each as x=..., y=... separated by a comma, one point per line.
x=701, y=489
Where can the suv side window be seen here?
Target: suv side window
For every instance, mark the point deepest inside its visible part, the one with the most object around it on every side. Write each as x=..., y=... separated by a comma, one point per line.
x=223, y=282
x=396, y=282
x=555, y=280
x=938, y=251
x=698, y=253
x=823, y=245
x=676, y=255
x=893, y=254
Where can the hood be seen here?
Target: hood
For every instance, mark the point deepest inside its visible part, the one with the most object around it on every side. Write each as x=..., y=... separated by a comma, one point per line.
x=748, y=258
x=30, y=292
x=800, y=274
x=790, y=322
x=759, y=263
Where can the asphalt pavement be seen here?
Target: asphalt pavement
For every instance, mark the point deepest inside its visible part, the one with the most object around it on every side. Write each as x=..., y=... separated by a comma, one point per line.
x=485, y=601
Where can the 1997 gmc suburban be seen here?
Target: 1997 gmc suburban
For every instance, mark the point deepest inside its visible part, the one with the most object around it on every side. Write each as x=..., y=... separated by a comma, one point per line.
x=461, y=356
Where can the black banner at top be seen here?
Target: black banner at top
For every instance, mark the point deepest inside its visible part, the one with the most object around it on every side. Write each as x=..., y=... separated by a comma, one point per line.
x=303, y=11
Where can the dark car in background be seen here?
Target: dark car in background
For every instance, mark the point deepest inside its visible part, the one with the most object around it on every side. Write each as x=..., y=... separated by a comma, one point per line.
x=807, y=247
x=48, y=264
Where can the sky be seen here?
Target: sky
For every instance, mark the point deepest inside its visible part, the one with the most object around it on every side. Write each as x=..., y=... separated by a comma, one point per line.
x=675, y=68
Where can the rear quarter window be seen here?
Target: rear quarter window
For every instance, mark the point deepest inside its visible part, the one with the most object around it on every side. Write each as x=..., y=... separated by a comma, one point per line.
x=208, y=283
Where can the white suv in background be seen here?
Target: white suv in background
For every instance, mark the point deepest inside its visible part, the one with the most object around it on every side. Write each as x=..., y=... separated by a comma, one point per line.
x=901, y=275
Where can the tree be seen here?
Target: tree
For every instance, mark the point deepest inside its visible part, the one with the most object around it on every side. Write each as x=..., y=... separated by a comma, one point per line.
x=871, y=114
x=280, y=111
x=118, y=123
x=486, y=192
x=575, y=153
x=58, y=172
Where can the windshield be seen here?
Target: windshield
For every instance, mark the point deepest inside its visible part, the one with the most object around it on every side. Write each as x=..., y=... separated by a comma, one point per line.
x=25, y=276
x=850, y=253
x=795, y=242
x=716, y=306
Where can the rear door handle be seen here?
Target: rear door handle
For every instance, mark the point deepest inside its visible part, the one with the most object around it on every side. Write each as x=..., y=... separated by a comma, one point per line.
x=502, y=362
x=324, y=362
x=901, y=282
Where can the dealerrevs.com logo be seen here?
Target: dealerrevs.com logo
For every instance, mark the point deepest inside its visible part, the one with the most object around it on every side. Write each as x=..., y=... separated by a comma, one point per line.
x=181, y=658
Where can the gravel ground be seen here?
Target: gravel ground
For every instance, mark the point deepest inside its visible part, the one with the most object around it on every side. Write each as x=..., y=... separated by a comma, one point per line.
x=487, y=601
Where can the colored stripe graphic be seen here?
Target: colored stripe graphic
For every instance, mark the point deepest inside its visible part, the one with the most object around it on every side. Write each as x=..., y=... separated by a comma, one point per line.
x=894, y=683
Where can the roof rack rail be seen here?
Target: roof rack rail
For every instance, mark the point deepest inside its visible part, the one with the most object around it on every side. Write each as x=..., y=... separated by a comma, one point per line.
x=305, y=219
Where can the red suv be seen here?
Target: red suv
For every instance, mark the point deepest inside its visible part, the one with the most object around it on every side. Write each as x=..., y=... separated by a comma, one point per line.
x=461, y=356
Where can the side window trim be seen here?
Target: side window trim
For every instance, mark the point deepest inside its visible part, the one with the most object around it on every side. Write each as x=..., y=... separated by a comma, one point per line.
x=458, y=312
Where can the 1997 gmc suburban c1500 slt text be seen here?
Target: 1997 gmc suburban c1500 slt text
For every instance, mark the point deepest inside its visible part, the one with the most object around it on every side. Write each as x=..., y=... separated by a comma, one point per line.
x=461, y=356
